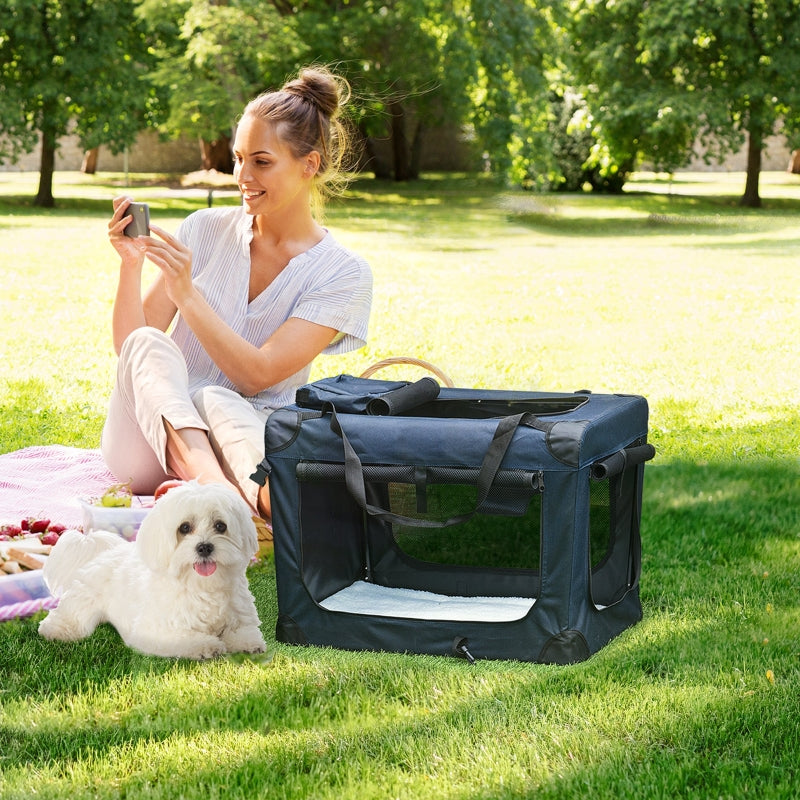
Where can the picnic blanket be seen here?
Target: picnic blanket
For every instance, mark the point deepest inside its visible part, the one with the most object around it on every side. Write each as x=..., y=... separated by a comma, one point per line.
x=46, y=481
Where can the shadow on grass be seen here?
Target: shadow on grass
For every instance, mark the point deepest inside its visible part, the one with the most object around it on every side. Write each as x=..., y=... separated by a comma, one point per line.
x=506, y=730
x=88, y=207
x=648, y=214
x=702, y=514
x=684, y=692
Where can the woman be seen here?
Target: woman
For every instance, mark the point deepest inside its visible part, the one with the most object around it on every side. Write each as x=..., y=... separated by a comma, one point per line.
x=251, y=296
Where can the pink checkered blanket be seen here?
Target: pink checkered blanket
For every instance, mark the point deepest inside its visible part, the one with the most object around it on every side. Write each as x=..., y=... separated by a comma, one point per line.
x=45, y=482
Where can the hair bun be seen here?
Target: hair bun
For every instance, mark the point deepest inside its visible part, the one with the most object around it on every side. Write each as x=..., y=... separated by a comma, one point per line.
x=318, y=86
x=306, y=111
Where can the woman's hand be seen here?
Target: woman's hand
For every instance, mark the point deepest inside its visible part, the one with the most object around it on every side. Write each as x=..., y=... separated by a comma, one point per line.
x=174, y=260
x=128, y=248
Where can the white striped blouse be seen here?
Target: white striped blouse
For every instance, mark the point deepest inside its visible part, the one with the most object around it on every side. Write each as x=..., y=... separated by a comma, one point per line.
x=327, y=285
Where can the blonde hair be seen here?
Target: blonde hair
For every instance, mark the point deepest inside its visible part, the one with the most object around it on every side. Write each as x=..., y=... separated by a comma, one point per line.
x=306, y=116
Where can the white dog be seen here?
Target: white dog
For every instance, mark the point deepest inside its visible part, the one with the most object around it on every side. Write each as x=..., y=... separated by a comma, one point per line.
x=178, y=590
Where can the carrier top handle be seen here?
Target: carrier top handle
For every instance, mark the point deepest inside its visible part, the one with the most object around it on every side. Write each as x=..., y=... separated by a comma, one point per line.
x=354, y=471
x=405, y=398
x=621, y=460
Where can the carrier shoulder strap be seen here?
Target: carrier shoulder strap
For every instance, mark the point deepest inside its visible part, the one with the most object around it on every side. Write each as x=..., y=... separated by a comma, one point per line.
x=501, y=440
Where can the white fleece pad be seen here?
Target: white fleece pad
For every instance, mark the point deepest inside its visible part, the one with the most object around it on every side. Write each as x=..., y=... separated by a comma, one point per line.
x=383, y=601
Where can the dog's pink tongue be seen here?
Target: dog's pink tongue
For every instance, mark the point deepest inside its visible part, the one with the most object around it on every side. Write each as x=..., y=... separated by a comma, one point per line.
x=205, y=568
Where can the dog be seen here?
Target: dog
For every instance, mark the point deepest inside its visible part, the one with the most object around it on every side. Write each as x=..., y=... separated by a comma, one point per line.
x=179, y=590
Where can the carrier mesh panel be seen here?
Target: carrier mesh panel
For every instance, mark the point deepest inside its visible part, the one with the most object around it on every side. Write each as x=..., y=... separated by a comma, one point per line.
x=486, y=540
x=613, y=537
x=599, y=521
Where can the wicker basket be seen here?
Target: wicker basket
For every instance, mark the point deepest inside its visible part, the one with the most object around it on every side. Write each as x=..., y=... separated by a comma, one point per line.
x=416, y=362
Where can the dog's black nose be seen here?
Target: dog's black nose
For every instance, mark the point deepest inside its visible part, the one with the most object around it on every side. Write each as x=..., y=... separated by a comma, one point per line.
x=204, y=549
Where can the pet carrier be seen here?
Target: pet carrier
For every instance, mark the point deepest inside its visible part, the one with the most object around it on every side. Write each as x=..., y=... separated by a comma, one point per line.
x=478, y=523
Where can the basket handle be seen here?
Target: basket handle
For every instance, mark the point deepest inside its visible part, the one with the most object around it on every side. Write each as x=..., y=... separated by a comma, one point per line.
x=416, y=362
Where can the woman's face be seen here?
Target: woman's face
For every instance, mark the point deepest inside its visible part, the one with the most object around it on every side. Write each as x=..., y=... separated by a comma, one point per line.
x=271, y=179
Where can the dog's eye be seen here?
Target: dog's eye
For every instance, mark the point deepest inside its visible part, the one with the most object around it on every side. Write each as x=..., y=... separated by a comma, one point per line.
x=184, y=528
x=220, y=526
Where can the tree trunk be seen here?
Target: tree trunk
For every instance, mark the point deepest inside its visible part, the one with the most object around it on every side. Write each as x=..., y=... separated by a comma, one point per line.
x=216, y=155
x=399, y=143
x=794, y=163
x=416, y=153
x=89, y=165
x=371, y=161
x=44, y=197
x=751, y=198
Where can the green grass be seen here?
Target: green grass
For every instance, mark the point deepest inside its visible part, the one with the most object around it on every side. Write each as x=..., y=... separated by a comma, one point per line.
x=671, y=291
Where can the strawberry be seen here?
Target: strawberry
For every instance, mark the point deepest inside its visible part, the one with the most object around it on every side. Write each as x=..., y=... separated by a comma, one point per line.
x=56, y=527
x=51, y=537
x=10, y=531
x=24, y=525
x=39, y=525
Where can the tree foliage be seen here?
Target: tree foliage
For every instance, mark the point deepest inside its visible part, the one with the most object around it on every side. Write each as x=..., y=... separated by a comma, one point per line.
x=552, y=94
x=418, y=64
x=407, y=64
x=516, y=51
x=74, y=66
x=664, y=74
x=413, y=65
x=212, y=58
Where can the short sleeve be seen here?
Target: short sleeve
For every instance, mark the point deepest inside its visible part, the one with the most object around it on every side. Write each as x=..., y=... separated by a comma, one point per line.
x=343, y=301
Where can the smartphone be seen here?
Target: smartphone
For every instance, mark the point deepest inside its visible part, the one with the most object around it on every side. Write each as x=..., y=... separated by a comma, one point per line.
x=140, y=225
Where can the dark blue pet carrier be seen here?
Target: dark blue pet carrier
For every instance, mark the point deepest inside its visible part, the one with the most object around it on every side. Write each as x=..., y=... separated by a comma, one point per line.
x=478, y=523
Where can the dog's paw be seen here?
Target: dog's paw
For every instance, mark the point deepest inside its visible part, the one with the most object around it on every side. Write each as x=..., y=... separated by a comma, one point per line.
x=203, y=651
x=47, y=628
x=51, y=628
x=245, y=640
x=214, y=652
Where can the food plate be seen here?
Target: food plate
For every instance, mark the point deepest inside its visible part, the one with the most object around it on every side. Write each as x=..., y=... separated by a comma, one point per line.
x=24, y=593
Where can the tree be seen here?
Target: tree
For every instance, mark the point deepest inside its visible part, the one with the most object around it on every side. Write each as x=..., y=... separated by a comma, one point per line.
x=515, y=46
x=70, y=66
x=575, y=154
x=407, y=64
x=213, y=58
x=665, y=74
x=419, y=64
x=412, y=64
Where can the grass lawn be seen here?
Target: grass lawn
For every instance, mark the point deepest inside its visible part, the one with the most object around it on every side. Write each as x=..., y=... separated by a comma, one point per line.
x=671, y=291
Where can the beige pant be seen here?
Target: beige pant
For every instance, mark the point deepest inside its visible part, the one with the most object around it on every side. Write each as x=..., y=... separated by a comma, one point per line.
x=153, y=386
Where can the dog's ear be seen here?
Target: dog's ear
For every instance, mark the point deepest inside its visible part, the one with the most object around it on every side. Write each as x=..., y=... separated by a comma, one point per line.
x=244, y=521
x=155, y=540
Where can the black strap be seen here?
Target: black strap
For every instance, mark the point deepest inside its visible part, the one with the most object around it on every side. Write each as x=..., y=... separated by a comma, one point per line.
x=354, y=475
